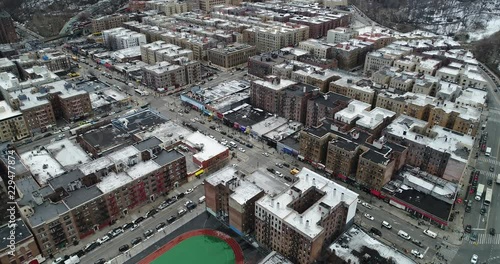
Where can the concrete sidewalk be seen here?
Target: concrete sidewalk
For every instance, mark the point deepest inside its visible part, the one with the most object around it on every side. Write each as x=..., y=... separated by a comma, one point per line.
x=133, y=214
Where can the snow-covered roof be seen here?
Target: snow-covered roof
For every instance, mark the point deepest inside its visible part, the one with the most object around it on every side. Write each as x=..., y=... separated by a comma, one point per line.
x=275, y=86
x=210, y=147
x=95, y=165
x=444, y=140
x=472, y=97
x=305, y=223
x=122, y=155
x=141, y=169
x=42, y=165
x=6, y=111
x=244, y=192
x=372, y=119
x=222, y=176
x=68, y=153
x=113, y=181
x=355, y=239
x=352, y=111
x=267, y=125
x=168, y=132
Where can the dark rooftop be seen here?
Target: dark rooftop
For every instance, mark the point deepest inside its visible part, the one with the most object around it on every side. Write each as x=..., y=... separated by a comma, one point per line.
x=395, y=147
x=91, y=86
x=425, y=202
x=148, y=144
x=246, y=116
x=298, y=89
x=66, y=178
x=273, y=58
x=291, y=142
x=330, y=99
x=165, y=157
x=344, y=144
x=22, y=232
x=375, y=157
x=139, y=121
x=107, y=137
x=81, y=196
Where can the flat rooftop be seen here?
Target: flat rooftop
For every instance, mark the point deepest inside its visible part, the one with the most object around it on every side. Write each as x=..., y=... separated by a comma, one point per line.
x=425, y=202
x=168, y=132
x=267, y=181
x=42, y=165
x=283, y=83
x=68, y=153
x=141, y=120
x=6, y=112
x=209, y=147
x=245, y=191
x=113, y=181
x=245, y=115
x=353, y=111
x=21, y=233
x=307, y=179
x=107, y=138
x=96, y=165
x=349, y=247
x=222, y=176
x=267, y=125
x=165, y=157
x=373, y=118
x=81, y=196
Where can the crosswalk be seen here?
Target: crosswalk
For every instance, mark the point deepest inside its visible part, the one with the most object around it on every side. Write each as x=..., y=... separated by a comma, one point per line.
x=485, y=239
x=487, y=174
x=490, y=160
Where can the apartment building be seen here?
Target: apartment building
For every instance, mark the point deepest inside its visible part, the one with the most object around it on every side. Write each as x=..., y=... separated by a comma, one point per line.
x=316, y=48
x=294, y=100
x=169, y=8
x=229, y=195
x=428, y=66
x=265, y=94
x=351, y=54
x=324, y=105
x=108, y=22
x=81, y=201
x=354, y=88
x=199, y=45
x=276, y=37
x=7, y=29
x=374, y=169
x=314, y=76
x=384, y=57
x=41, y=106
x=232, y=55
x=55, y=61
x=7, y=65
x=434, y=149
x=12, y=124
x=319, y=25
x=341, y=34
x=342, y=157
x=378, y=39
x=262, y=65
x=164, y=75
x=24, y=245
x=121, y=38
x=301, y=221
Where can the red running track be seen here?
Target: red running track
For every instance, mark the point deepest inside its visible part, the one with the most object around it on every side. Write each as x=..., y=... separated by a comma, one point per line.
x=238, y=253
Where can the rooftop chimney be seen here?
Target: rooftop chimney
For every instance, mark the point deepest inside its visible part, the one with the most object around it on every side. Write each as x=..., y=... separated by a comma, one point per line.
x=342, y=197
x=334, y=192
x=278, y=205
x=301, y=219
x=272, y=202
x=314, y=182
x=307, y=176
x=307, y=223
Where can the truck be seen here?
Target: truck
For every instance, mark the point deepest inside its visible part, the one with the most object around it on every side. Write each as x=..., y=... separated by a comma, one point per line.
x=488, y=197
x=488, y=152
x=479, y=192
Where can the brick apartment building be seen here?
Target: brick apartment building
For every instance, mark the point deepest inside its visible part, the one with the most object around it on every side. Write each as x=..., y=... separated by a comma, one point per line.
x=7, y=29
x=301, y=221
x=108, y=22
x=231, y=56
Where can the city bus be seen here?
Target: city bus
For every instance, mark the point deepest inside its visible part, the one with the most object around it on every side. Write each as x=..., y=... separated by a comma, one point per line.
x=488, y=197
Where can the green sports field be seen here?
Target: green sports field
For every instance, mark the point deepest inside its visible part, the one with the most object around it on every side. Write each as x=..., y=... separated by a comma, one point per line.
x=199, y=249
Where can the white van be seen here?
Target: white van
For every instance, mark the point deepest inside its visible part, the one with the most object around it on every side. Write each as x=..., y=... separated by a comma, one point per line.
x=202, y=199
x=386, y=224
x=404, y=235
x=430, y=233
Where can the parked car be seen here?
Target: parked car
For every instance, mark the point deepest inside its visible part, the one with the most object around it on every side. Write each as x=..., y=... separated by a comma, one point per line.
x=136, y=241
x=103, y=239
x=271, y=170
x=117, y=231
x=366, y=205
x=100, y=261
x=91, y=246
x=148, y=233
x=286, y=165
x=468, y=228
x=188, y=191
x=124, y=248
x=181, y=212
x=160, y=226
x=127, y=226
x=417, y=242
x=171, y=219
x=376, y=231
x=265, y=154
x=369, y=216
x=138, y=220
x=279, y=165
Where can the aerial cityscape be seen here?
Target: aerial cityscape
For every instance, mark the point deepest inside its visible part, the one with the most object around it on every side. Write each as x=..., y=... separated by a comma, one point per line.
x=231, y=132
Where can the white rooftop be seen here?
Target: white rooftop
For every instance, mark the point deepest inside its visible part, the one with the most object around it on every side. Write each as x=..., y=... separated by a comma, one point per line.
x=68, y=153
x=335, y=193
x=268, y=124
x=222, y=176
x=275, y=86
x=42, y=165
x=123, y=155
x=356, y=239
x=472, y=97
x=445, y=140
x=95, y=165
x=210, y=149
x=352, y=111
x=372, y=119
x=168, y=132
x=142, y=168
x=6, y=111
x=244, y=192
x=97, y=101
x=115, y=95
x=113, y=181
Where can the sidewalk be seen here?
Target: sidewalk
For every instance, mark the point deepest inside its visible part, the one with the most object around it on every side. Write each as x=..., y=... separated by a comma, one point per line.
x=133, y=214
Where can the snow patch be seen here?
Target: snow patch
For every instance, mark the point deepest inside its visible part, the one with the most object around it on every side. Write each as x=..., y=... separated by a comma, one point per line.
x=491, y=27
